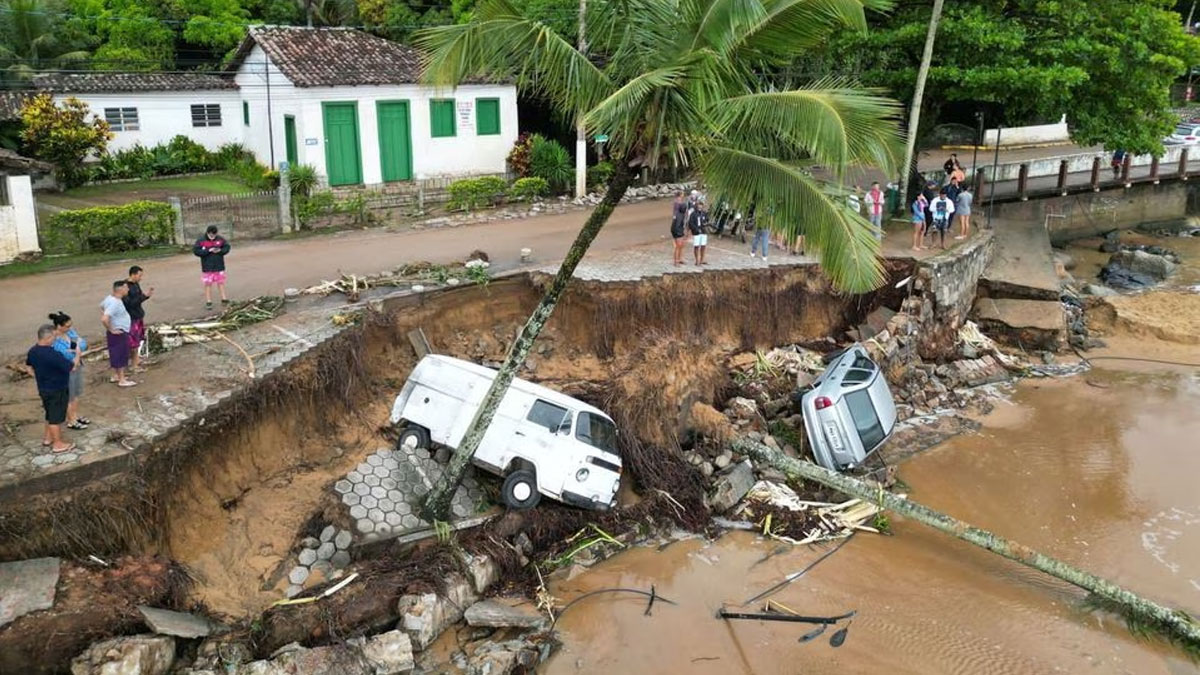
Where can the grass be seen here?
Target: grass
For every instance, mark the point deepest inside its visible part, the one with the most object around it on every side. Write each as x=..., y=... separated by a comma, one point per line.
x=215, y=184
x=58, y=262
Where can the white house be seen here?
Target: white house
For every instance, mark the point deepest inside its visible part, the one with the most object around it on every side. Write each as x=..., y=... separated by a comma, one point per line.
x=18, y=218
x=338, y=99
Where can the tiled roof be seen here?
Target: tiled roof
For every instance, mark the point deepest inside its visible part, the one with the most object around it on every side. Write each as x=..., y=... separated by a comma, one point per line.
x=11, y=161
x=66, y=83
x=325, y=57
x=10, y=104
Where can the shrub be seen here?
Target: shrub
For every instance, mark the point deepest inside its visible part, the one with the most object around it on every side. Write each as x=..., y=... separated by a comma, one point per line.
x=230, y=155
x=528, y=189
x=468, y=193
x=135, y=162
x=600, y=173
x=63, y=135
x=518, y=157
x=189, y=156
x=111, y=228
x=302, y=178
x=549, y=160
x=255, y=175
x=317, y=205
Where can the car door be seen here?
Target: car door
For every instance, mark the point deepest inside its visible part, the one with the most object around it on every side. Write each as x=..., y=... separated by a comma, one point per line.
x=536, y=438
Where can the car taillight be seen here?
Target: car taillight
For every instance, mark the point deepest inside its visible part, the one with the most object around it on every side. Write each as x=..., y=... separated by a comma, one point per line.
x=822, y=402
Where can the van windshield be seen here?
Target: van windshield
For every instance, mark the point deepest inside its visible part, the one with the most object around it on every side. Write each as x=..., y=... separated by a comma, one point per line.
x=596, y=432
x=866, y=421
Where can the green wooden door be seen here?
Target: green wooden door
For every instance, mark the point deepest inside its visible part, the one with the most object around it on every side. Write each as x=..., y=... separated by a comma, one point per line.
x=395, y=140
x=343, y=161
x=289, y=137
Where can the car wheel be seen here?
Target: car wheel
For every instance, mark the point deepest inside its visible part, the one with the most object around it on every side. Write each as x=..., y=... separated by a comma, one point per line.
x=520, y=490
x=412, y=438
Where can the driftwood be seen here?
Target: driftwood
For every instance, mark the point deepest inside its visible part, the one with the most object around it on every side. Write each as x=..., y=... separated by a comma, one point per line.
x=1139, y=612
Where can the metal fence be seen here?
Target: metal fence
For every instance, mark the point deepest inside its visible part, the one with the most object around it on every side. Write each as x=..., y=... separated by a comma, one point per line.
x=252, y=215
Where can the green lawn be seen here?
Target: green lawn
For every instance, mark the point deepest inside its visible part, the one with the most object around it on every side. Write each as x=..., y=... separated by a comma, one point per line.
x=57, y=262
x=213, y=184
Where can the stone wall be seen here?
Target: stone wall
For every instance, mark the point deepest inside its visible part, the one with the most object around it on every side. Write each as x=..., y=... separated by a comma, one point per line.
x=1090, y=213
x=944, y=291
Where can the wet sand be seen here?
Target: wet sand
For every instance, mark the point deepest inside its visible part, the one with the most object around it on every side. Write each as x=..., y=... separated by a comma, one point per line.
x=1099, y=470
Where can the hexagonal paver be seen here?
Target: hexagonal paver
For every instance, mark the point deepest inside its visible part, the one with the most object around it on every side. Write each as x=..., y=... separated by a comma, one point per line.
x=391, y=464
x=383, y=528
x=327, y=533
x=342, y=486
x=388, y=482
x=371, y=480
x=308, y=556
x=362, y=489
x=460, y=510
x=387, y=505
x=365, y=525
x=293, y=590
x=410, y=521
x=382, y=471
x=350, y=499
x=369, y=502
x=326, y=551
x=298, y=575
x=364, y=468
x=354, y=477
x=342, y=540
x=420, y=489
x=379, y=492
x=392, y=519
x=404, y=508
x=375, y=515
x=375, y=460
x=395, y=495
x=340, y=560
x=358, y=511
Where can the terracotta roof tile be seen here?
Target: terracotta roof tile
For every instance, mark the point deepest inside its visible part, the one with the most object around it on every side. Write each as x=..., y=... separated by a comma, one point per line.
x=324, y=57
x=66, y=83
x=10, y=104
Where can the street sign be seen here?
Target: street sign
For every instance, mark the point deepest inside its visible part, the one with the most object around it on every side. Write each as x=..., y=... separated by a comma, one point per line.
x=601, y=138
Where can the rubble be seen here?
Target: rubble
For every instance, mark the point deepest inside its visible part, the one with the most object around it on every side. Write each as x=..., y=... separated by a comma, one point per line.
x=504, y=613
x=730, y=486
x=179, y=624
x=27, y=586
x=130, y=655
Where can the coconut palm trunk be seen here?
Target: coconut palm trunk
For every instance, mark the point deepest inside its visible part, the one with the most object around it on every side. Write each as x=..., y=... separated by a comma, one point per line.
x=914, y=113
x=1172, y=623
x=437, y=503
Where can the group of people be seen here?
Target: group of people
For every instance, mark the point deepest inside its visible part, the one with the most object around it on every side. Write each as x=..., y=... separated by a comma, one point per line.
x=936, y=208
x=56, y=361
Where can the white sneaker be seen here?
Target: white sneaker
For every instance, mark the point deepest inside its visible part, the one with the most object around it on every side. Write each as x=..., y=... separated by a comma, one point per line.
x=752, y=254
x=764, y=258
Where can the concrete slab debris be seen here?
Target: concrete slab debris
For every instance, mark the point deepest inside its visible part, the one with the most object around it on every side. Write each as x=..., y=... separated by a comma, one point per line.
x=498, y=613
x=731, y=485
x=179, y=624
x=27, y=586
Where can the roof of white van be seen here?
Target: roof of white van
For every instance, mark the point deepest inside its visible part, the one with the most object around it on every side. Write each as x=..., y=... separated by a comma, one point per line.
x=517, y=383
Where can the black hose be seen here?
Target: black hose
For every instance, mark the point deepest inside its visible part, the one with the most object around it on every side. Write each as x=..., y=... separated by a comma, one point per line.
x=654, y=596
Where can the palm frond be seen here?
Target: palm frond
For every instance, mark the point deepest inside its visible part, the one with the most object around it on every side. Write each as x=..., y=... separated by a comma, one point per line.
x=789, y=27
x=795, y=203
x=829, y=122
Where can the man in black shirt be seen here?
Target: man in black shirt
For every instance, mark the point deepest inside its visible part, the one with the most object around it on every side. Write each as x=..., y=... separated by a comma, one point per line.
x=137, y=314
x=52, y=372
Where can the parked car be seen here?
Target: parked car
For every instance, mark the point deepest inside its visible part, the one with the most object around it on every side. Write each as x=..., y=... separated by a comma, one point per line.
x=541, y=441
x=1186, y=133
x=849, y=412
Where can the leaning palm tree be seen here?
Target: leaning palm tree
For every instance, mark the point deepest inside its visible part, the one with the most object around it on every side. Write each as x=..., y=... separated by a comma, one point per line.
x=687, y=83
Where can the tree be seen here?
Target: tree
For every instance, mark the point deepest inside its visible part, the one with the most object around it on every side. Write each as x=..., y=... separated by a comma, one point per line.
x=914, y=109
x=63, y=135
x=1106, y=64
x=32, y=37
x=687, y=83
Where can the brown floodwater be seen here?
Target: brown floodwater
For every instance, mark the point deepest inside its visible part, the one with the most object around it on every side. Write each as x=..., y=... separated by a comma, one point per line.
x=1099, y=470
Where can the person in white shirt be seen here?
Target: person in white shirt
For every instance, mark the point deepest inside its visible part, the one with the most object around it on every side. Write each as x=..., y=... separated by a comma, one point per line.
x=942, y=209
x=874, y=202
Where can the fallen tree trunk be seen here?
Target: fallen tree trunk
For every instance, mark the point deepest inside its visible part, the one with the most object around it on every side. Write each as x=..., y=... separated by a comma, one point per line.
x=1174, y=624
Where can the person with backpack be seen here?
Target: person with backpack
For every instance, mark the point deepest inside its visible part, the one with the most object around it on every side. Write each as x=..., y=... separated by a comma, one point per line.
x=212, y=249
x=918, y=221
x=679, y=210
x=942, y=209
x=874, y=201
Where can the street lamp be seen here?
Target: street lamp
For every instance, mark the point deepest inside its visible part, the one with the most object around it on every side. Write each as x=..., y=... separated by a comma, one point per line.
x=978, y=140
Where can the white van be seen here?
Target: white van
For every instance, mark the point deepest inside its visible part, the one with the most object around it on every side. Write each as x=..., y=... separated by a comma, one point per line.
x=541, y=441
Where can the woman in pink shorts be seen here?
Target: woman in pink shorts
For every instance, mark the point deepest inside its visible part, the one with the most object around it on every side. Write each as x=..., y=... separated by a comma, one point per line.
x=212, y=249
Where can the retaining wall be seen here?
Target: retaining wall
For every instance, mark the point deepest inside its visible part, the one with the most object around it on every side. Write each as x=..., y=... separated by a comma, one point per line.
x=1087, y=214
x=944, y=291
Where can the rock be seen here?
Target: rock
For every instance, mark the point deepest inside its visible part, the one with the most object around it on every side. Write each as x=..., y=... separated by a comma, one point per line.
x=1136, y=269
x=731, y=485
x=481, y=570
x=706, y=469
x=309, y=542
x=773, y=475
x=774, y=407
x=723, y=460
x=389, y=653
x=804, y=379
x=129, y=655
x=770, y=442
x=179, y=624
x=1098, y=290
x=503, y=614
x=424, y=617
x=492, y=658
x=1111, y=243
x=341, y=659
x=27, y=586
x=218, y=654
x=743, y=408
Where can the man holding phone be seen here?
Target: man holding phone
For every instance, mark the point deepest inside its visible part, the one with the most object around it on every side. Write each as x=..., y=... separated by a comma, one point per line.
x=137, y=316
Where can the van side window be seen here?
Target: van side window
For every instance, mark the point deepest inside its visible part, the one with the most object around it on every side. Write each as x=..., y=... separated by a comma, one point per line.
x=547, y=415
x=596, y=432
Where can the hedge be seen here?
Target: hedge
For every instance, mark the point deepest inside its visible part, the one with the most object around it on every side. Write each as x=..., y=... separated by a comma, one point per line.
x=111, y=228
x=468, y=193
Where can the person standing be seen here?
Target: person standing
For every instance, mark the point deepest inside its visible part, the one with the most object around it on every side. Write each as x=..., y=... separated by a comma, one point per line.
x=1118, y=159
x=679, y=210
x=854, y=201
x=68, y=343
x=116, y=322
x=950, y=164
x=137, y=315
x=874, y=201
x=953, y=189
x=212, y=249
x=943, y=210
x=930, y=193
x=760, y=235
x=918, y=221
x=963, y=209
x=696, y=218
x=52, y=373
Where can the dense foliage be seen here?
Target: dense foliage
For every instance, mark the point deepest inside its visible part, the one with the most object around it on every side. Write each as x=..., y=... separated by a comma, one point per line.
x=63, y=134
x=110, y=228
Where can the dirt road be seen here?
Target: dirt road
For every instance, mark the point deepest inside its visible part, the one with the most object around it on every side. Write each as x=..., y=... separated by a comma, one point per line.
x=258, y=268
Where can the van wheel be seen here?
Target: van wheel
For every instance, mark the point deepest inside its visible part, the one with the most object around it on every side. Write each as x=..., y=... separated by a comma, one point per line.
x=412, y=438
x=520, y=490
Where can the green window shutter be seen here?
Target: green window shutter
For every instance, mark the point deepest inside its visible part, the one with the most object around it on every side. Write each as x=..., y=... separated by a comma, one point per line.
x=487, y=116
x=441, y=117
x=246, y=113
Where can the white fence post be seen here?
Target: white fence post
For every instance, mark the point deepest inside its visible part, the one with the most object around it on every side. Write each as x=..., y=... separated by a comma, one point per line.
x=181, y=238
x=285, y=199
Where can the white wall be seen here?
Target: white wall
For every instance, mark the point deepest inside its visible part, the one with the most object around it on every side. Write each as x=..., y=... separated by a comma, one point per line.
x=163, y=115
x=465, y=153
x=18, y=221
x=1031, y=135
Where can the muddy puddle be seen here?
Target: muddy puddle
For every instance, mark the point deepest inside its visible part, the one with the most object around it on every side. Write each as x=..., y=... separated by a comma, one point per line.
x=1098, y=470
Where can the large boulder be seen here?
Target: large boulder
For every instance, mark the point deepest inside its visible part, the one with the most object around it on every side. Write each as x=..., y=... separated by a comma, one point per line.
x=731, y=485
x=131, y=655
x=1136, y=269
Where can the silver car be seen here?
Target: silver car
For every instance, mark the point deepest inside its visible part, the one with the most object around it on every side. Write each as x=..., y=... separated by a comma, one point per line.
x=849, y=412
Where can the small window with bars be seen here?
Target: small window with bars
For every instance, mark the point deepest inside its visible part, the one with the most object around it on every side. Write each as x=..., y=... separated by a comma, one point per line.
x=206, y=115
x=121, y=119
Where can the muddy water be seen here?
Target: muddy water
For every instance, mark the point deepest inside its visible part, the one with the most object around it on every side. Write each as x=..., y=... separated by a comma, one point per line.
x=1099, y=470
x=1089, y=259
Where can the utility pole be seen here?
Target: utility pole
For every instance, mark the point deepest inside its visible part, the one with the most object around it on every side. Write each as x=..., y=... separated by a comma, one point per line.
x=580, y=132
x=270, y=121
x=978, y=140
x=308, y=12
x=914, y=113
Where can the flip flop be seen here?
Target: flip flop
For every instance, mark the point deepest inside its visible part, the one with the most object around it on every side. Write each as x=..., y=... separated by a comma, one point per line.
x=77, y=425
x=62, y=450
x=83, y=420
x=127, y=383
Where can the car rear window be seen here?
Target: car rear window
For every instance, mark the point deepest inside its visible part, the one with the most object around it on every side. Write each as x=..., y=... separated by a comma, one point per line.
x=1184, y=130
x=866, y=421
x=547, y=415
x=855, y=376
x=596, y=432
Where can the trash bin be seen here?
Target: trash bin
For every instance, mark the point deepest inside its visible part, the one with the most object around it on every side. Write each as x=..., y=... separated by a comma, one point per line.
x=893, y=199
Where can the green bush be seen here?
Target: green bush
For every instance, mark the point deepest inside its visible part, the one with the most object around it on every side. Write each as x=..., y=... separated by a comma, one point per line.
x=302, y=178
x=179, y=155
x=600, y=173
x=550, y=161
x=255, y=175
x=321, y=204
x=111, y=228
x=230, y=155
x=469, y=193
x=528, y=189
x=518, y=157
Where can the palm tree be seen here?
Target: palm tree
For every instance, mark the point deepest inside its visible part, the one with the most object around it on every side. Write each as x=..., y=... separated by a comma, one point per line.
x=30, y=39
x=687, y=83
